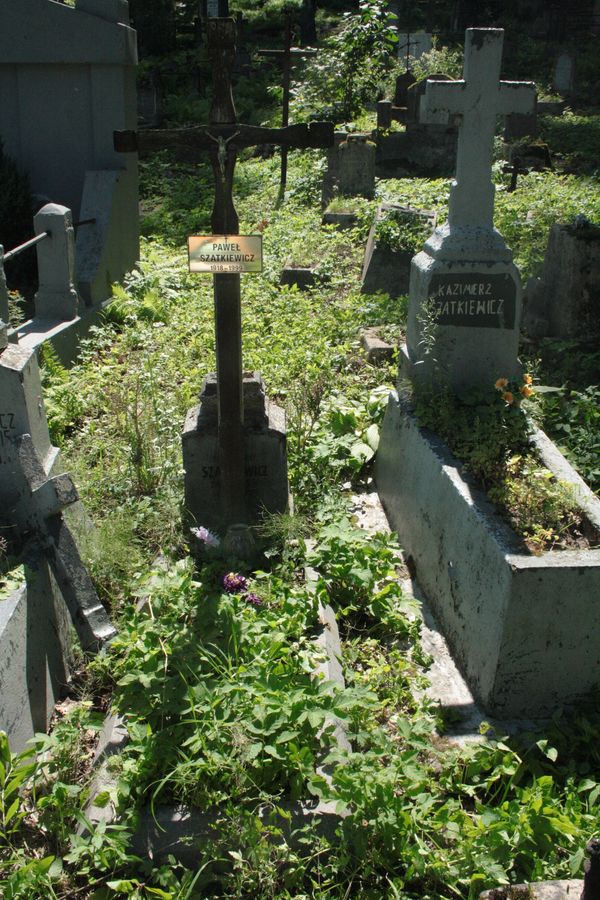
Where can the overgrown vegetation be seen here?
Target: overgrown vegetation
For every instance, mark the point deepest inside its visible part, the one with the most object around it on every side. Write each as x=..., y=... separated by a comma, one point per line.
x=212, y=670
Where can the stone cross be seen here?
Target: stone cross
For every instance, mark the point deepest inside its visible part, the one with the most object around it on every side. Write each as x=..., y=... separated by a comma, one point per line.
x=38, y=515
x=478, y=98
x=222, y=138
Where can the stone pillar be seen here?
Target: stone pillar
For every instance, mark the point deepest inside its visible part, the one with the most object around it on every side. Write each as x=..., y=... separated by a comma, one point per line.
x=357, y=166
x=56, y=298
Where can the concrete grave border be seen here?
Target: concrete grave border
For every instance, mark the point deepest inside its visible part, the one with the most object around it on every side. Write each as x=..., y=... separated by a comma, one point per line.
x=178, y=830
x=522, y=628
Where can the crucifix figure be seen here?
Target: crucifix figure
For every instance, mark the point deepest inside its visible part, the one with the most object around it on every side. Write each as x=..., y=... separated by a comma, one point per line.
x=465, y=291
x=286, y=57
x=478, y=99
x=222, y=138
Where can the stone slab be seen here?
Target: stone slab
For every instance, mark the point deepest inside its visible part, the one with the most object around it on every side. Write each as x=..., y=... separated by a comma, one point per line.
x=378, y=352
x=421, y=149
x=386, y=269
x=564, y=302
x=521, y=628
x=569, y=889
x=35, y=649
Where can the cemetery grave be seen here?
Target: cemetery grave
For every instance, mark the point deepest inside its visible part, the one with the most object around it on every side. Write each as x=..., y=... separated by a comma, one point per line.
x=232, y=736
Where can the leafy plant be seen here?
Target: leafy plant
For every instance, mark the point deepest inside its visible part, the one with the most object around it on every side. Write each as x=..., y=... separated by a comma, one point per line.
x=403, y=231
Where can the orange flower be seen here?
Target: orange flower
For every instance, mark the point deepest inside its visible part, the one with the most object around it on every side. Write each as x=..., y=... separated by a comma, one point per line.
x=501, y=384
x=526, y=390
x=527, y=379
x=508, y=397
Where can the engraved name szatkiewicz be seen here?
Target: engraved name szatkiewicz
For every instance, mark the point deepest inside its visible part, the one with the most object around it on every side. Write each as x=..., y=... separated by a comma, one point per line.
x=474, y=300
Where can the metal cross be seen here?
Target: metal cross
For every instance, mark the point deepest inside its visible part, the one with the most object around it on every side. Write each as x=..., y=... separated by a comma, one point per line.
x=408, y=45
x=286, y=57
x=222, y=139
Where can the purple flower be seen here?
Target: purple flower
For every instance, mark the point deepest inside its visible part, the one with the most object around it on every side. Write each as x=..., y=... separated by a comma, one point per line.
x=252, y=599
x=205, y=536
x=233, y=583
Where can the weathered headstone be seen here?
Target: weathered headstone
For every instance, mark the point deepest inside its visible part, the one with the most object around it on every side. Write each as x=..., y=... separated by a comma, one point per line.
x=464, y=284
x=332, y=169
x=520, y=125
x=387, y=268
x=564, y=302
x=564, y=74
x=412, y=45
x=403, y=82
x=36, y=620
x=67, y=81
x=427, y=146
x=265, y=459
x=356, y=173
x=149, y=100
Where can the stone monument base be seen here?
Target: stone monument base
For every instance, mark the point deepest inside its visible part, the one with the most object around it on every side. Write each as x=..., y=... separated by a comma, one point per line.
x=464, y=309
x=266, y=459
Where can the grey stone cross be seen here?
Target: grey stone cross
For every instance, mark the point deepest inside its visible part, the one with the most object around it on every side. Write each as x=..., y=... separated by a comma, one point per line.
x=478, y=98
x=38, y=514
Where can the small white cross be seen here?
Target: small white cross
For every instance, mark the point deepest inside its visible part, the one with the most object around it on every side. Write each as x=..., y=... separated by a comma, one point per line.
x=477, y=98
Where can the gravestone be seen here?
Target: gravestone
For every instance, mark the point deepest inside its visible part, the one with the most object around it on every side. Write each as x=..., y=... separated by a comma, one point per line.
x=149, y=100
x=356, y=173
x=464, y=283
x=564, y=74
x=412, y=45
x=332, y=169
x=37, y=619
x=66, y=83
x=564, y=302
x=387, y=268
x=403, y=83
x=520, y=125
x=426, y=146
x=265, y=459
x=396, y=111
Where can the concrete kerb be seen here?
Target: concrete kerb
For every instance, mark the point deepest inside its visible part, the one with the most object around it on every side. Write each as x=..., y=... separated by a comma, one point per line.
x=503, y=611
x=377, y=351
x=179, y=830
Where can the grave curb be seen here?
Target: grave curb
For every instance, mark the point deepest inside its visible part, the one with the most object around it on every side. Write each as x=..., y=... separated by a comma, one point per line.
x=499, y=608
x=567, y=889
x=177, y=830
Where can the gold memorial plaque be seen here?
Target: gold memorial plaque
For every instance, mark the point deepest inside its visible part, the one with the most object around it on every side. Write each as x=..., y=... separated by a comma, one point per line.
x=221, y=254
